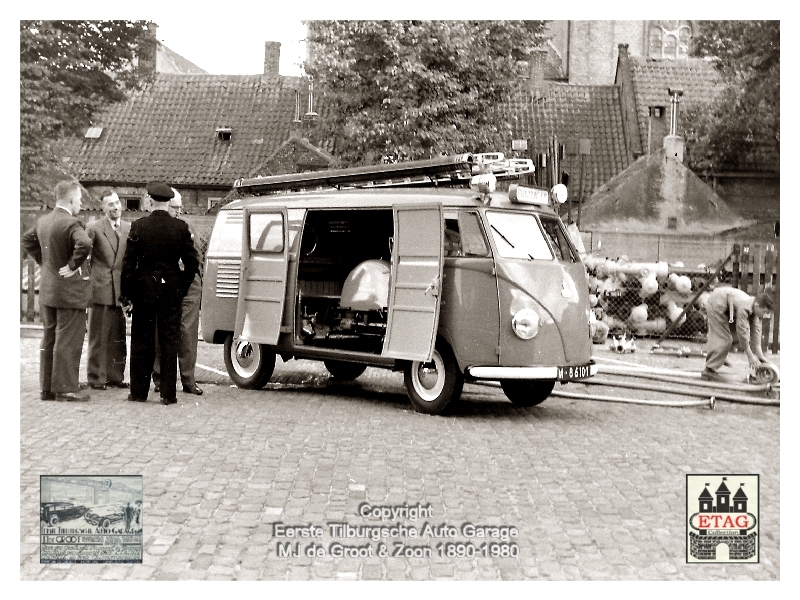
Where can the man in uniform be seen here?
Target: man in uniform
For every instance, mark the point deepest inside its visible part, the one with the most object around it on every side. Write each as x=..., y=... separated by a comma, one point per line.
x=153, y=282
x=59, y=243
x=727, y=309
x=107, y=348
x=190, y=319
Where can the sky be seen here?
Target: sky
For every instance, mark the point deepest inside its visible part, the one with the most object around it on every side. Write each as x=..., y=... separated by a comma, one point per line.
x=233, y=46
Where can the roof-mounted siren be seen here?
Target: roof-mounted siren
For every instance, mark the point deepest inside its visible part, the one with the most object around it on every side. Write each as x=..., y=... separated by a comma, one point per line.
x=502, y=167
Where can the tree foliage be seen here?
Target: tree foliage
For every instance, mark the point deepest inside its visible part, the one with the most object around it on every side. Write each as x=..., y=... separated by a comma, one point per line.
x=412, y=89
x=741, y=129
x=68, y=71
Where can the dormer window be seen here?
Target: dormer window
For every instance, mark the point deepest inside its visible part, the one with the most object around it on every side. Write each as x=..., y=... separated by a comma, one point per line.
x=224, y=134
x=93, y=133
x=657, y=111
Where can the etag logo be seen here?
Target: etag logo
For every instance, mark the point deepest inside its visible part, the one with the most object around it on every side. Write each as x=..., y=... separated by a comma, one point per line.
x=722, y=521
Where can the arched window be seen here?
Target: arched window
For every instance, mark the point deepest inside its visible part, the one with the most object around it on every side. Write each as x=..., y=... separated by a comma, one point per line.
x=670, y=39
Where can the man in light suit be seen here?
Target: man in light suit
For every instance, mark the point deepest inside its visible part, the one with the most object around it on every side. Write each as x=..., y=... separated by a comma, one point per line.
x=59, y=243
x=107, y=349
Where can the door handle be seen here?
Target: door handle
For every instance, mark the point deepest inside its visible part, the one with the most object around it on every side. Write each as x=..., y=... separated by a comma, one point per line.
x=433, y=287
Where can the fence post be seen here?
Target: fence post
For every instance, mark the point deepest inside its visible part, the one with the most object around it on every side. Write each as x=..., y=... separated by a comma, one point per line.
x=776, y=312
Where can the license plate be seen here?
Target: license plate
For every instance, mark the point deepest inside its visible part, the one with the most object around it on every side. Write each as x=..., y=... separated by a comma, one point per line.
x=576, y=372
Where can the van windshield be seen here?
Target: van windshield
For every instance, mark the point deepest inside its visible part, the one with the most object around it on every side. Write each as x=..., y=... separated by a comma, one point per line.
x=518, y=235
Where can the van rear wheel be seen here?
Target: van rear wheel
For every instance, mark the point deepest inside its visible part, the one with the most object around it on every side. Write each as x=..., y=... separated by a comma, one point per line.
x=343, y=370
x=527, y=392
x=431, y=386
x=249, y=365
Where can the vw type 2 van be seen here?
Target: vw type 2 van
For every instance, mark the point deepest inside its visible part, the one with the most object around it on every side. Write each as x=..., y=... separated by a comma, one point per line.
x=415, y=266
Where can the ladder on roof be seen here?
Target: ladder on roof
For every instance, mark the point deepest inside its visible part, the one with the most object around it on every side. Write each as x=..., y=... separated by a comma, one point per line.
x=444, y=170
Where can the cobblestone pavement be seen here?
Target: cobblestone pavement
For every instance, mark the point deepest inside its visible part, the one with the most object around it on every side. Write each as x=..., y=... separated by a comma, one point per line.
x=596, y=489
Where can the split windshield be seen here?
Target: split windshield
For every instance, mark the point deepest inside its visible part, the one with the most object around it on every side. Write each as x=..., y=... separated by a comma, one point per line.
x=518, y=235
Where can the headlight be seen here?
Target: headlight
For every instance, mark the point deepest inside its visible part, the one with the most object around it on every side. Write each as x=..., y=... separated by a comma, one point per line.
x=525, y=323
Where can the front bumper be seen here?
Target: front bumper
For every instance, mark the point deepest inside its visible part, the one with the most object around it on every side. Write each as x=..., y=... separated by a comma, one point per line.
x=500, y=373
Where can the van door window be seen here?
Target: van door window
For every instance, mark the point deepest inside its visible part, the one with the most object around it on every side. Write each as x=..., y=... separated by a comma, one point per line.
x=266, y=232
x=518, y=235
x=463, y=235
x=558, y=239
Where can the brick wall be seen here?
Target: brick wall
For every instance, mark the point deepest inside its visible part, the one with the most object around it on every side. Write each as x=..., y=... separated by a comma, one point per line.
x=593, y=48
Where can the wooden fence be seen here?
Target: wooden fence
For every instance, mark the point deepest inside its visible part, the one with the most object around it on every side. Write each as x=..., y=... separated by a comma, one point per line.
x=755, y=268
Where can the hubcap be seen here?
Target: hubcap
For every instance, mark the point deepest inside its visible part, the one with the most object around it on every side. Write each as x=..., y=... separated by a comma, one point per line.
x=428, y=378
x=246, y=357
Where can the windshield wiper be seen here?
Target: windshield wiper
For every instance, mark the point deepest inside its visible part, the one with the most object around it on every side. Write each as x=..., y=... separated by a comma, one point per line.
x=507, y=241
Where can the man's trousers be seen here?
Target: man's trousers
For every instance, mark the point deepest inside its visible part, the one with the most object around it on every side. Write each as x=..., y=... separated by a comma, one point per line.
x=165, y=313
x=187, y=351
x=60, y=351
x=107, y=349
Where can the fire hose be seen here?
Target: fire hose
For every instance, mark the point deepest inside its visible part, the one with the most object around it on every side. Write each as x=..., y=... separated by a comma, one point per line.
x=728, y=397
x=602, y=398
x=750, y=387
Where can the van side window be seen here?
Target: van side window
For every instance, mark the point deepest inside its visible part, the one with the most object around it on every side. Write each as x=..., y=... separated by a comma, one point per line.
x=558, y=240
x=266, y=232
x=463, y=235
x=472, y=241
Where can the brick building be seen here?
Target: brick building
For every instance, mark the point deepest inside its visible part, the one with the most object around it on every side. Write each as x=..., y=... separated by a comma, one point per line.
x=199, y=132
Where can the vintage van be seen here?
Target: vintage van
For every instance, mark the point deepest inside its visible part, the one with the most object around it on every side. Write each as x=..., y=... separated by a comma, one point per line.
x=367, y=267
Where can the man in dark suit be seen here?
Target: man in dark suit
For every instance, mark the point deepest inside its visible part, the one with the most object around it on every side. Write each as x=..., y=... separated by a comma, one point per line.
x=153, y=282
x=107, y=348
x=190, y=317
x=59, y=243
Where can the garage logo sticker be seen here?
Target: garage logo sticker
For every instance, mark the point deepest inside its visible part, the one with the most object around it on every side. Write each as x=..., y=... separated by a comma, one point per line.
x=722, y=519
x=90, y=519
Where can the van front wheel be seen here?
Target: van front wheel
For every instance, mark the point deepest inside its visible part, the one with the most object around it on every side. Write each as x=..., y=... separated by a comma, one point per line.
x=527, y=392
x=431, y=386
x=249, y=365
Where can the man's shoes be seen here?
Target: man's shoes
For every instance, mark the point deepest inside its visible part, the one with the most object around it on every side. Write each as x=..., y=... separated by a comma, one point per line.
x=83, y=386
x=98, y=386
x=193, y=389
x=132, y=398
x=72, y=397
x=167, y=401
x=157, y=389
x=710, y=375
x=118, y=384
x=47, y=396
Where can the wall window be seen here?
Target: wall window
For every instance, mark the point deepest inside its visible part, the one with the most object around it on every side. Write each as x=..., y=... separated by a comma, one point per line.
x=670, y=39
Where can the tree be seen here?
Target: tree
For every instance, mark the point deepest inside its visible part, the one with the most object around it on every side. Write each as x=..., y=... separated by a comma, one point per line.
x=68, y=71
x=741, y=129
x=412, y=89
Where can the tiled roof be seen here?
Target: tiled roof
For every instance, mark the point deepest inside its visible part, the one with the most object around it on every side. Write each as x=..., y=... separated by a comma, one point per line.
x=641, y=198
x=572, y=112
x=697, y=77
x=168, y=61
x=167, y=131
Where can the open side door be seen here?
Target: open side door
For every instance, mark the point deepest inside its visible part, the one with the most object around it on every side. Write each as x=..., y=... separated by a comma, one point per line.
x=262, y=278
x=415, y=295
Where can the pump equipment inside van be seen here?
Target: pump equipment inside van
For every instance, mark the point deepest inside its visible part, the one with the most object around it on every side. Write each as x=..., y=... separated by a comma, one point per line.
x=418, y=266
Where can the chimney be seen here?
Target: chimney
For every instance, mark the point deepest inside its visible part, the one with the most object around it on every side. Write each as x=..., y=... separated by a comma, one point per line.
x=674, y=143
x=272, y=59
x=623, y=51
x=537, y=60
x=148, y=52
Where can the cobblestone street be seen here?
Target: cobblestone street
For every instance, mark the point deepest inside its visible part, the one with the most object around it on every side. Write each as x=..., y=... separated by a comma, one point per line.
x=596, y=490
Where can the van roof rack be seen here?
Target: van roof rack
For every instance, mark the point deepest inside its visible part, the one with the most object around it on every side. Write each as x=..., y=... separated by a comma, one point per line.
x=443, y=170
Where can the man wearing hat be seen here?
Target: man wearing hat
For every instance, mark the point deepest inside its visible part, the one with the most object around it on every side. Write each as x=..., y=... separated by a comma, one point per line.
x=153, y=282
